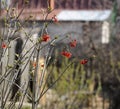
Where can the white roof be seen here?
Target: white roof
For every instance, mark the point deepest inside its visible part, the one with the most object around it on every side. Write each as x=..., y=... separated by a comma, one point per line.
x=83, y=15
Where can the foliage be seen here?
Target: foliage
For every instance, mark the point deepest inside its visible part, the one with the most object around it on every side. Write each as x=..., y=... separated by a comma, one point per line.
x=74, y=88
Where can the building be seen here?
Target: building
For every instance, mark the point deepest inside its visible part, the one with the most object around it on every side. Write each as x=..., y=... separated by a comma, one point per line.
x=71, y=13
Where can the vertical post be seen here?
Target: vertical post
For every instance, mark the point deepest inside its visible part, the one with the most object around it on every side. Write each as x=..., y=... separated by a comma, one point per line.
x=89, y=4
x=52, y=4
x=75, y=4
x=82, y=4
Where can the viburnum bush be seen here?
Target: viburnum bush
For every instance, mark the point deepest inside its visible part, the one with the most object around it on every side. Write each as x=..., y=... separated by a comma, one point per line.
x=10, y=73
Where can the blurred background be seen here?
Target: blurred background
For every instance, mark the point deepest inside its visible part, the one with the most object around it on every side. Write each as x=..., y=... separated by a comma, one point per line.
x=95, y=25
